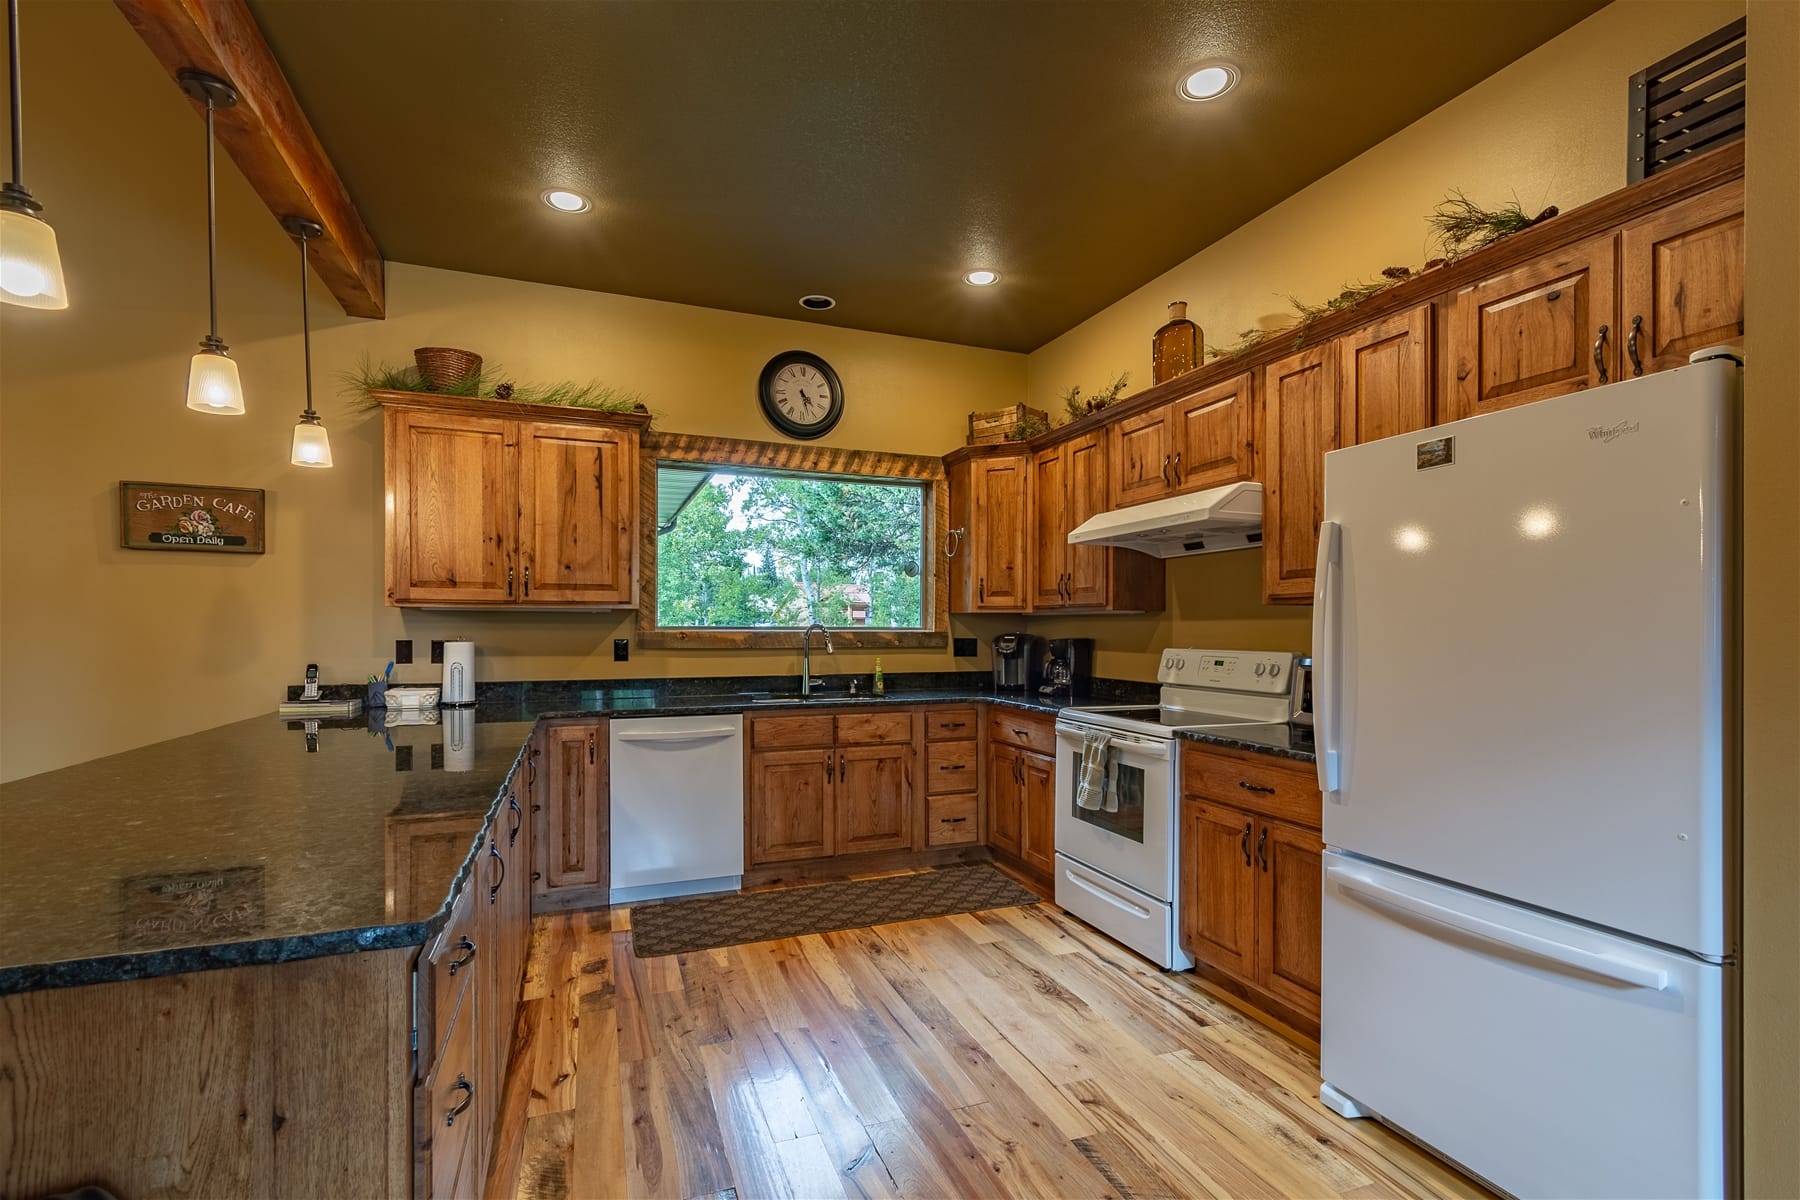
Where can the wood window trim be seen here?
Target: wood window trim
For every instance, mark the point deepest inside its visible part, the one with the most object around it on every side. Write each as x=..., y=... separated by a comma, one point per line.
x=816, y=460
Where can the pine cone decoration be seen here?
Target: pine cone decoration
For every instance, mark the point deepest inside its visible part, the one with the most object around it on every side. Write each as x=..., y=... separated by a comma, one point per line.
x=503, y=391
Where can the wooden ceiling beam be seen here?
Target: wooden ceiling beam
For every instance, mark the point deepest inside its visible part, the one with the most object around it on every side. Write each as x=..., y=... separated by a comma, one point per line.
x=268, y=136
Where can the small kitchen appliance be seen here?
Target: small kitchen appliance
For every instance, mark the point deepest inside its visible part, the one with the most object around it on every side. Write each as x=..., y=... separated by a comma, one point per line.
x=1017, y=661
x=1301, y=711
x=1116, y=864
x=1523, y=624
x=459, y=675
x=1068, y=667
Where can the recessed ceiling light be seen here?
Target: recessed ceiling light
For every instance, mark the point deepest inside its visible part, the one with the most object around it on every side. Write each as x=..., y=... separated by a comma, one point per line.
x=817, y=303
x=569, y=202
x=982, y=278
x=1208, y=82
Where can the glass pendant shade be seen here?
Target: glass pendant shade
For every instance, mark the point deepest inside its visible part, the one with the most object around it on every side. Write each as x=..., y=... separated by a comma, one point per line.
x=30, y=268
x=312, y=445
x=213, y=385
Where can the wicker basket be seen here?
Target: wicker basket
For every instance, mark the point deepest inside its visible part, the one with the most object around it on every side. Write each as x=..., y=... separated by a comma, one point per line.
x=986, y=428
x=443, y=368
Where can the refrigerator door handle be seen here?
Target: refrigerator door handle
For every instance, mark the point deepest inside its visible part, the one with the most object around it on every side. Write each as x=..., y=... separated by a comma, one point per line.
x=1325, y=652
x=1610, y=967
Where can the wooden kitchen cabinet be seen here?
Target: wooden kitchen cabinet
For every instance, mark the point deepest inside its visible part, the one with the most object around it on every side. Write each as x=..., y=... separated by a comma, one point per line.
x=1681, y=281
x=793, y=809
x=1021, y=790
x=839, y=784
x=990, y=502
x=1384, y=378
x=570, y=774
x=1068, y=487
x=1037, y=813
x=1005, y=799
x=491, y=504
x=1250, y=887
x=1203, y=440
x=1300, y=424
x=875, y=791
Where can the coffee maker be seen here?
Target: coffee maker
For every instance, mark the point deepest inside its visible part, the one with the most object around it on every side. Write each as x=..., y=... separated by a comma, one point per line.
x=1068, y=667
x=1017, y=662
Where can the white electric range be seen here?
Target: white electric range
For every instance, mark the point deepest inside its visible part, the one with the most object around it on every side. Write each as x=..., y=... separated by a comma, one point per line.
x=1116, y=865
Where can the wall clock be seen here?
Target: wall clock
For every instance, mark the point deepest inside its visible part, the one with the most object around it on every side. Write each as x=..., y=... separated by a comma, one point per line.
x=801, y=395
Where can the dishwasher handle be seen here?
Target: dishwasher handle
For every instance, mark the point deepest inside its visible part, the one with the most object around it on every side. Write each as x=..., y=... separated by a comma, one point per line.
x=677, y=735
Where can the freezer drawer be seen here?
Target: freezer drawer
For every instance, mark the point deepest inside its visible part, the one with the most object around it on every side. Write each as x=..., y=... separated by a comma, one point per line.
x=1132, y=918
x=1542, y=1055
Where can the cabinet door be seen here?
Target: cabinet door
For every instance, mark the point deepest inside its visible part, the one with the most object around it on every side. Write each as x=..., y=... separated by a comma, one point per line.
x=792, y=808
x=1218, y=887
x=448, y=1135
x=874, y=798
x=999, y=535
x=452, y=508
x=1300, y=423
x=1051, y=523
x=574, y=806
x=1090, y=567
x=1535, y=332
x=1140, y=457
x=1005, y=789
x=1213, y=436
x=1037, y=812
x=1384, y=377
x=1681, y=281
x=1289, y=864
x=578, y=500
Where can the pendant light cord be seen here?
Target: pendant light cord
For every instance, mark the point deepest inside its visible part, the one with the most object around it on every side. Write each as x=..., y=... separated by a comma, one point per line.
x=212, y=225
x=18, y=93
x=306, y=331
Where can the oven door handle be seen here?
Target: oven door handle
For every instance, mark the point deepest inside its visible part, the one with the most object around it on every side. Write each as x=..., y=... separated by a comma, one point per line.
x=1157, y=748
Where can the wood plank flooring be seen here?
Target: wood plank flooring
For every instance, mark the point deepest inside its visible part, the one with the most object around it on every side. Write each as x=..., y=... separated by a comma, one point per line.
x=1011, y=1053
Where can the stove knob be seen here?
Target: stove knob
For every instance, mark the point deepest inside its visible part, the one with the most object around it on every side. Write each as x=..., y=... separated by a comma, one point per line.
x=1262, y=669
x=1274, y=670
x=1181, y=664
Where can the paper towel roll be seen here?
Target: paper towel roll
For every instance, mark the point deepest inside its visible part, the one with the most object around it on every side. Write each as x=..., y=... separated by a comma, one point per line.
x=459, y=674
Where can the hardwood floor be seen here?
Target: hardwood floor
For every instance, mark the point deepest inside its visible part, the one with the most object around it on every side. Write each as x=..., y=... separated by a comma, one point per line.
x=1011, y=1053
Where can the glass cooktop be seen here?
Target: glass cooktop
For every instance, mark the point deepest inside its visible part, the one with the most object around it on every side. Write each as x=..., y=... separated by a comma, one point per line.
x=1166, y=718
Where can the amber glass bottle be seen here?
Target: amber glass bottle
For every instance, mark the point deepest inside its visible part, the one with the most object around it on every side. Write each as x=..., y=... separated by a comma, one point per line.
x=1175, y=350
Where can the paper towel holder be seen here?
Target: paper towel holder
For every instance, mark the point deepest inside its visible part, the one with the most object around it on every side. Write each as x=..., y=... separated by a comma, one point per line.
x=459, y=674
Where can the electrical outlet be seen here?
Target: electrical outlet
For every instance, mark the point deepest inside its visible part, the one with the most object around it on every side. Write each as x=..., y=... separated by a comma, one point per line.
x=402, y=758
x=963, y=647
x=437, y=650
x=621, y=649
x=403, y=651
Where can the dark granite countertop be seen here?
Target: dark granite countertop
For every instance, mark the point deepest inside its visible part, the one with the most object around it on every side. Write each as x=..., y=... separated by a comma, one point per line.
x=1282, y=741
x=261, y=842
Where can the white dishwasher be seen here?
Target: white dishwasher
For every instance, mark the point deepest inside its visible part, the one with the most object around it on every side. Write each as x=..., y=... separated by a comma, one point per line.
x=677, y=806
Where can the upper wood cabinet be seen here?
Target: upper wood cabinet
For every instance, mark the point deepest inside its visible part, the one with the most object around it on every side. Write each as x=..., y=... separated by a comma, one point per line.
x=1384, y=378
x=1681, y=281
x=1200, y=441
x=1068, y=487
x=1300, y=424
x=486, y=506
x=991, y=503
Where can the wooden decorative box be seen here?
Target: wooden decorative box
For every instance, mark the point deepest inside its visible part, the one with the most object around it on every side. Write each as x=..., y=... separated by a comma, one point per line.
x=986, y=428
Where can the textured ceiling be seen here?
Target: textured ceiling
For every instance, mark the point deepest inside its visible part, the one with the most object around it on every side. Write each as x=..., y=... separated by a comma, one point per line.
x=743, y=153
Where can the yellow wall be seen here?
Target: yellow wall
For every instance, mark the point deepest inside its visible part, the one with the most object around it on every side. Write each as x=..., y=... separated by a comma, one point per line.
x=103, y=649
x=1772, y=608
x=1549, y=128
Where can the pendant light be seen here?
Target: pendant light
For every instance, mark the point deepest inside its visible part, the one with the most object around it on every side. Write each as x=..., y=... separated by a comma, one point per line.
x=30, y=268
x=213, y=385
x=312, y=446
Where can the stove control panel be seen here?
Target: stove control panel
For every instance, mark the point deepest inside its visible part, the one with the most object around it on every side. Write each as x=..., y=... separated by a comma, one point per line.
x=1267, y=672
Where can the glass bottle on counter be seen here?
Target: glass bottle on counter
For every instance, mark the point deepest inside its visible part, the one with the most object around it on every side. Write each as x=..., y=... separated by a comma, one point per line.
x=880, y=683
x=1175, y=348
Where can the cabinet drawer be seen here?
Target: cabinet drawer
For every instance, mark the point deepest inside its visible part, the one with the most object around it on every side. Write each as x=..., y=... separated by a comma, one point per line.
x=789, y=733
x=447, y=967
x=1025, y=730
x=447, y=1125
x=950, y=820
x=1259, y=784
x=885, y=728
x=949, y=724
x=950, y=767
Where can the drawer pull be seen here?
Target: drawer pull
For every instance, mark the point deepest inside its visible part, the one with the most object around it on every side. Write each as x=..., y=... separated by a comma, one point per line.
x=494, y=890
x=463, y=1085
x=953, y=766
x=1020, y=733
x=952, y=820
x=952, y=724
x=458, y=964
x=512, y=802
x=1600, y=353
x=1631, y=345
x=1255, y=787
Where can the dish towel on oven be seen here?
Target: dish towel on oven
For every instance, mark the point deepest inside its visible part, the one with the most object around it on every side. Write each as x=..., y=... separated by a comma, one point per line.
x=1093, y=789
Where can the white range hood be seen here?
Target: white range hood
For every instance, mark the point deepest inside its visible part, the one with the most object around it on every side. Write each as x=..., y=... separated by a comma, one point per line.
x=1221, y=518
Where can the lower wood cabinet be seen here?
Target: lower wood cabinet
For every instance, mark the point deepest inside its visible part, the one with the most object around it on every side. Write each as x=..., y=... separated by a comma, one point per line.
x=1250, y=878
x=567, y=776
x=824, y=784
x=1021, y=790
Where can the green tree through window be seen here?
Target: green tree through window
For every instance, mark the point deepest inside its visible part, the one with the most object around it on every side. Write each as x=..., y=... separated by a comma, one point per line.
x=758, y=551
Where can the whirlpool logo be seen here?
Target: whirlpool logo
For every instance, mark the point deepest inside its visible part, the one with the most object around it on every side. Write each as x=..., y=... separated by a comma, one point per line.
x=1607, y=434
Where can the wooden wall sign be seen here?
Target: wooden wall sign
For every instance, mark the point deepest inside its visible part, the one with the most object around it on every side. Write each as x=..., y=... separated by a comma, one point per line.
x=187, y=516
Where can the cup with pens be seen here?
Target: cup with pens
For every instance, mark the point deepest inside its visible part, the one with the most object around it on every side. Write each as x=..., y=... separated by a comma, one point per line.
x=378, y=688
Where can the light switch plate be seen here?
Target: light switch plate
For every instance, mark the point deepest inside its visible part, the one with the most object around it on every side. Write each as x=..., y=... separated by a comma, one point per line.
x=402, y=651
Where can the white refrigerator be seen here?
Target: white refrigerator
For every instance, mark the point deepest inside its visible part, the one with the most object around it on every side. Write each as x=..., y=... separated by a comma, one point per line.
x=1524, y=693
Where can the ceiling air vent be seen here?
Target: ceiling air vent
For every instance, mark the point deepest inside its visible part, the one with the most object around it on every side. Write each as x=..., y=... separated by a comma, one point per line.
x=1691, y=101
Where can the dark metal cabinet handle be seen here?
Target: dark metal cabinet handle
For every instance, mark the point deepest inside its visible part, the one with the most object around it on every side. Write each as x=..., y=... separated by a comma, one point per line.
x=952, y=820
x=1165, y=469
x=512, y=802
x=1631, y=345
x=953, y=724
x=1177, y=467
x=590, y=747
x=1255, y=787
x=528, y=579
x=954, y=767
x=509, y=580
x=468, y=949
x=1020, y=733
x=841, y=774
x=494, y=889
x=830, y=767
x=981, y=589
x=1262, y=849
x=1244, y=843
x=531, y=768
x=1600, y=353
x=463, y=1085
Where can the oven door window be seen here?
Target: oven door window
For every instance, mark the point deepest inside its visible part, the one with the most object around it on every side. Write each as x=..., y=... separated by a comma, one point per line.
x=1126, y=794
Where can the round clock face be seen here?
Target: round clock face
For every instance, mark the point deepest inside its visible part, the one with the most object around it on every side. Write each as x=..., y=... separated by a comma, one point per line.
x=801, y=395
